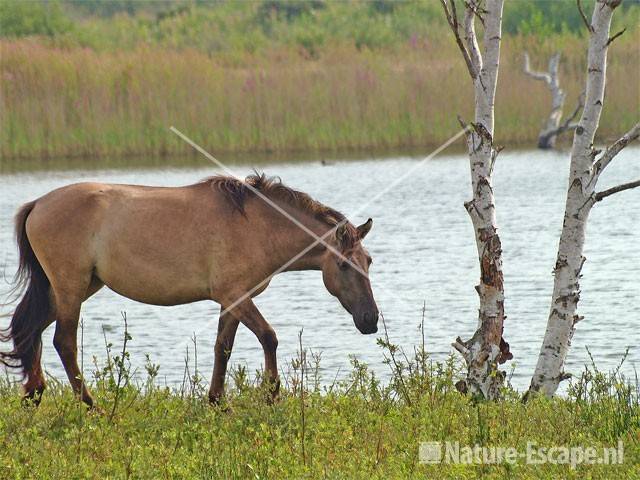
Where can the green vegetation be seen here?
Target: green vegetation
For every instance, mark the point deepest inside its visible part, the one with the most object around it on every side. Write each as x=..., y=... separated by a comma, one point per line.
x=91, y=79
x=232, y=26
x=359, y=428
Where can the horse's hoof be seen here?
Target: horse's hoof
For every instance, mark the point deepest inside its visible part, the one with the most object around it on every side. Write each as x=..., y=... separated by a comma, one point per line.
x=29, y=401
x=272, y=391
x=222, y=407
x=95, y=410
x=219, y=403
x=32, y=398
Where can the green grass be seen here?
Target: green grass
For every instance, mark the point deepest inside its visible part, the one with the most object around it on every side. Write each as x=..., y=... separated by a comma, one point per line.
x=359, y=428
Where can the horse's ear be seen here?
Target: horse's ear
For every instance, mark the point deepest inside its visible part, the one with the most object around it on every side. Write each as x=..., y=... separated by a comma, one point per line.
x=364, y=229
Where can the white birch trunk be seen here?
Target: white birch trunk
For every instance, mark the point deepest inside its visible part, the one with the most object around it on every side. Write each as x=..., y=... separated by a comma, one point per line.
x=486, y=349
x=581, y=196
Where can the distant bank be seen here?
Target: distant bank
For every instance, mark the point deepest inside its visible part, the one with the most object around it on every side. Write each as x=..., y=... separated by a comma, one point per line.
x=79, y=102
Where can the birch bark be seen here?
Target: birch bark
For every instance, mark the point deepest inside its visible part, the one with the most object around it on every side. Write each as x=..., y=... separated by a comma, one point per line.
x=486, y=349
x=585, y=170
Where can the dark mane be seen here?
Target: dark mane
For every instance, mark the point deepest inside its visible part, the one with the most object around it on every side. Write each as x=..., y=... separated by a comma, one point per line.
x=237, y=192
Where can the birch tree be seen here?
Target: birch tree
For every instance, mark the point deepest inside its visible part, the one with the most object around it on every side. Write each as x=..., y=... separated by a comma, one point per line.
x=486, y=349
x=587, y=164
x=552, y=127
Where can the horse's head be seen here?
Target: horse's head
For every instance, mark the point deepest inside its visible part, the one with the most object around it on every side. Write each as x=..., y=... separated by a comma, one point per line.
x=346, y=276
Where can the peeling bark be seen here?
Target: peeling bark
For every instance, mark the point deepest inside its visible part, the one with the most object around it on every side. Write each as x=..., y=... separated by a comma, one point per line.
x=553, y=126
x=585, y=170
x=486, y=349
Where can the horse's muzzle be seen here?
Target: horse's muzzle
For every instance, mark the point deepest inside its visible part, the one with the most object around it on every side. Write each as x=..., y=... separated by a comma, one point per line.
x=367, y=323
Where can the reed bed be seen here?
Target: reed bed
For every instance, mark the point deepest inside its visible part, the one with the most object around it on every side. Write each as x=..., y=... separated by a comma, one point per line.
x=79, y=102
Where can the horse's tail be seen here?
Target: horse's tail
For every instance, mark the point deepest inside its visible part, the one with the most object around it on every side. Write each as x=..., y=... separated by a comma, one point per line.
x=34, y=308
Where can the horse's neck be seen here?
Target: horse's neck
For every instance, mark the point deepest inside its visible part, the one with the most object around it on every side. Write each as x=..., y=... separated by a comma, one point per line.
x=295, y=245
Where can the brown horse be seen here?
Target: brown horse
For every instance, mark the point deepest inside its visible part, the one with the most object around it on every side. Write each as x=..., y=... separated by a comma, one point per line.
x=221, y=239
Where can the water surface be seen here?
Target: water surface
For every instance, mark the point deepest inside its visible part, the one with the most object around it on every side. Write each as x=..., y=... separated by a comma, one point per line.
x=423, y=250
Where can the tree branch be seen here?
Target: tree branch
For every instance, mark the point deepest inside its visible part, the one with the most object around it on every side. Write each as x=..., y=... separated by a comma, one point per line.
x=470, y=35
x=452, y=20
x=554, y=63
x=477, y=9
x=567, y=124
x=620, y=188
x=615, y=148
x=584, y=18
x=546, y=77
x=611, y=39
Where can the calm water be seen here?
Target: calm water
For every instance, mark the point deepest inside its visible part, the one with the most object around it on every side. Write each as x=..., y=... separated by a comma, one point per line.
x=423, y=250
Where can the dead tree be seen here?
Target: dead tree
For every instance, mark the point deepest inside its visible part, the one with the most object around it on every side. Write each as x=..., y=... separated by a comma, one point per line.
x=553, y=127
x=486, y=349
x=587, y=164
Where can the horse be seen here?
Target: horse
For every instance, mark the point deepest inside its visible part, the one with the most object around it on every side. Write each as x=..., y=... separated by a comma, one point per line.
x=221, y=239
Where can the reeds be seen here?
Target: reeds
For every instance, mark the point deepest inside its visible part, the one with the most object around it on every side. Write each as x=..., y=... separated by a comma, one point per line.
x=78, y=102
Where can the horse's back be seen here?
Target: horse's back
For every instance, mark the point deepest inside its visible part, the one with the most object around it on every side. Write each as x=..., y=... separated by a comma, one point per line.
x=148, y=243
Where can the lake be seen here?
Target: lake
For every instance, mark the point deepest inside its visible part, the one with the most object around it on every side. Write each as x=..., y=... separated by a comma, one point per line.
x=423, y=251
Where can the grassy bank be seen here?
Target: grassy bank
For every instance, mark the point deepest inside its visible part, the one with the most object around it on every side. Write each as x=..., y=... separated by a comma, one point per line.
x=81, y=102
x=356, y=428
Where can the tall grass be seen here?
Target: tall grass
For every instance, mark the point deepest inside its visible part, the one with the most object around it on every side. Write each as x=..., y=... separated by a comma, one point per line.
x=67, y=102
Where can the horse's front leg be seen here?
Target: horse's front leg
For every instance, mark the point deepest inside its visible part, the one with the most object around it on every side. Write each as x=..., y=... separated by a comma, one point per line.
x=247, y=313
x=227, y=327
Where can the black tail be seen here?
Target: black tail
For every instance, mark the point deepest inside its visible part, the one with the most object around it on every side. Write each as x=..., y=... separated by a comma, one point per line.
x=31, y=313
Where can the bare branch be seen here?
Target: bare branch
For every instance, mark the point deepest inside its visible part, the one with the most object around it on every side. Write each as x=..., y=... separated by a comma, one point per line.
x=477, y=9
x=470, y=36
x=584, y=18
x=554, y=63
x=568, y=123
x=620, y=188
x=546, y=77
x=611, y=39
x=615, y=148
x=461, y=347
x=452, y=20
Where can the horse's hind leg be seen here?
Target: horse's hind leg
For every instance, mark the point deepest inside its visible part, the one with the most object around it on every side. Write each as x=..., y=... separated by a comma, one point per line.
x=36, y=384
x=65, y=340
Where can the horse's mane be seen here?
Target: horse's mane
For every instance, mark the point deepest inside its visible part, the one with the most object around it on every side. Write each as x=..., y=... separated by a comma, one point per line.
x=238, y=191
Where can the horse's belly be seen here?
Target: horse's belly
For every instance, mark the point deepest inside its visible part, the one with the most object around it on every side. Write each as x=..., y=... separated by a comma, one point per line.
x=165, y=290
x=154, y=276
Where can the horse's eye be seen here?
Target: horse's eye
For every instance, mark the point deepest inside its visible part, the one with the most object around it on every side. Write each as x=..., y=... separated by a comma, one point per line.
x=369, y=260
x=344, y=265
